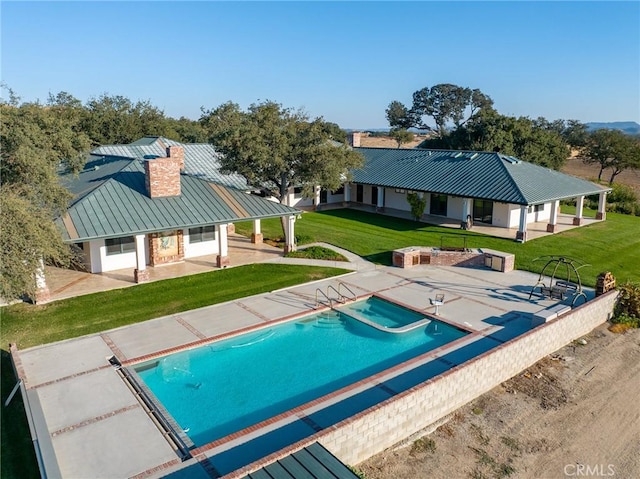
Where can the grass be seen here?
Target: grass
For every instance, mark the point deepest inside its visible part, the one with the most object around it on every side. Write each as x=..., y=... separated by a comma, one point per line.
x=317, y=252
x=612, y=245
x=28, y=325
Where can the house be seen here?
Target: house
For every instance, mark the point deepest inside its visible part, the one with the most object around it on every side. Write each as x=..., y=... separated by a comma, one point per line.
x=468, y=186
x=155, y=202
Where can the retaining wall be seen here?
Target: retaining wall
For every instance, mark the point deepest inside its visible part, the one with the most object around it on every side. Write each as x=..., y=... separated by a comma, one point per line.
x=370, y=432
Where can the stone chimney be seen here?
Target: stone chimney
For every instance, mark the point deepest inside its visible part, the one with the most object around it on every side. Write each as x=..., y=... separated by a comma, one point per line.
x=354, y=139
x=162, y=175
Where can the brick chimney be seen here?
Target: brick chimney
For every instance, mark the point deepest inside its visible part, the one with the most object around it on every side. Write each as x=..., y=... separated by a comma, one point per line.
x=354, y=139
x=162, y=175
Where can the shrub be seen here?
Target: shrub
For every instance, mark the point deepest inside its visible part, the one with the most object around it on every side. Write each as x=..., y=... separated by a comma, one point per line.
x=418, y=205
x=623, y=200
x=627, y=310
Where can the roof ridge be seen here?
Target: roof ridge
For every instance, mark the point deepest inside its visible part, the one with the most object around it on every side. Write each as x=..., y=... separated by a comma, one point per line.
x=503, y=165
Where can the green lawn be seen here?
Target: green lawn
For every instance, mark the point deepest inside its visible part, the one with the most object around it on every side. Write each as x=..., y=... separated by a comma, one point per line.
x=612, y=245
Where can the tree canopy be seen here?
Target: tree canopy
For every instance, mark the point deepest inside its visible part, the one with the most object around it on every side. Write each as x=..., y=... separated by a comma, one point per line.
x=36, y=143
x=530, y=140
x=401, y=136
x=445, y=103
x=612, y=149
x=278, y=148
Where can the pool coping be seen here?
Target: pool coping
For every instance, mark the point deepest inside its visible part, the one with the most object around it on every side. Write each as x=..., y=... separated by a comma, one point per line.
x=303, y=411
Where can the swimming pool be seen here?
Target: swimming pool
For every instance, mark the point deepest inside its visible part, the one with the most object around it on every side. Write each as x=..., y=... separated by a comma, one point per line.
x=226, y=386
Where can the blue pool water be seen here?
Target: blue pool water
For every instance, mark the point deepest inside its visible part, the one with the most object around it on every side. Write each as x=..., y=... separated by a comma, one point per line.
x=383, y=312
x=218, y=389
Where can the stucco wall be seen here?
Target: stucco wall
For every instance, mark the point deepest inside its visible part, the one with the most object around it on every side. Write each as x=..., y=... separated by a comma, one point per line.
x=382, y=426
x=395, y=200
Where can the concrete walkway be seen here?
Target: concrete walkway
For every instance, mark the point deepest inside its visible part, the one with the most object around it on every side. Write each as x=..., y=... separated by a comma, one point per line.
x=90, y=424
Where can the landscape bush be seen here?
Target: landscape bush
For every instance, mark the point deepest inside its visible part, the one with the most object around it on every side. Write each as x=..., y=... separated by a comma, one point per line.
x=623, y=200
x=627, y=310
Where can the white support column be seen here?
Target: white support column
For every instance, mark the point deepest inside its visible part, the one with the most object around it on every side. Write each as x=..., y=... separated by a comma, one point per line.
x=602, y=206
x=140, y=274
x=222, y=260
x=380, y=204
x=521, y=235
x=553, y=221
x=347, y=193
x=256, y=236
x=316, y=196
x=467, y=218
x=43, y=295
x=290, y=235
x=577, y=221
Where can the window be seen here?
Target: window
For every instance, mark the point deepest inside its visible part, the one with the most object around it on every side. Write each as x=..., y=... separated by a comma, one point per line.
x=202, y=233
x=339, y=191
x=126, y=244
x=483, y=211
x=438, y=205
x=536, y=208
x=359, y=193
x=297, y=190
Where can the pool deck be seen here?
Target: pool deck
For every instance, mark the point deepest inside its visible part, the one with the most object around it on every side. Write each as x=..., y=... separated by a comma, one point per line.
x=91, y=424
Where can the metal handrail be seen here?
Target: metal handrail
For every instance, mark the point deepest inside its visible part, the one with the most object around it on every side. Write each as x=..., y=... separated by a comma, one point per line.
x=318, y=290
x=348, y=289
x=340, y=297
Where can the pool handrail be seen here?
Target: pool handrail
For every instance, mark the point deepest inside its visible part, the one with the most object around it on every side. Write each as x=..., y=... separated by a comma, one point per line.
x=340, y=285
x=318, y=290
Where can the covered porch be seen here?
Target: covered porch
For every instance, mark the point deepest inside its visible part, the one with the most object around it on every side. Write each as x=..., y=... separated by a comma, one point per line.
x=65, y=283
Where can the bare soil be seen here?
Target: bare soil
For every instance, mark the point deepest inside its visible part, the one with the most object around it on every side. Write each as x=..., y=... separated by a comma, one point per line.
x=575, y=413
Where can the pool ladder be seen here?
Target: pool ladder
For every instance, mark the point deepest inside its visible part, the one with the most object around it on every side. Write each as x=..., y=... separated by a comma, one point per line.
x=341, y=297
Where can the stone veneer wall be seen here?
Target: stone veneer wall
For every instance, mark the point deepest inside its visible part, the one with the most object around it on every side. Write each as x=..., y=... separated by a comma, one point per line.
x=154, y=247
x=372, y=431
x=413, y=256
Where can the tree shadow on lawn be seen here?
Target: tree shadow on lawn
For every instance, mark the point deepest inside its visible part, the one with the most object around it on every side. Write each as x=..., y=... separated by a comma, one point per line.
x=375, y=219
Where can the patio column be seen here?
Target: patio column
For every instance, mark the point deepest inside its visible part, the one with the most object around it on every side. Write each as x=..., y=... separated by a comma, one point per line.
x=553, y=221
x=380, y=204
x=256, y=236
x=290, y=236
x=602, y=206
x=316, y=196
x=140, y=274
x=467, y=204
x=521, y=235
x=577, y=221
x=347, y=194
x=222, y=260
x=43, y=295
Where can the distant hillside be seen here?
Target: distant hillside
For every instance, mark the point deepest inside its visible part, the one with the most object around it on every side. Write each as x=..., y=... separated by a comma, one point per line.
x=629, y=127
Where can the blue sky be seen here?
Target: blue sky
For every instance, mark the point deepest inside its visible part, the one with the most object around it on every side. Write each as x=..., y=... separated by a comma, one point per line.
x=344, y=61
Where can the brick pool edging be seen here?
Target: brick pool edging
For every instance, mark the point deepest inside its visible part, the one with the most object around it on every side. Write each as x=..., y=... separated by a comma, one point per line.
x=365, y=434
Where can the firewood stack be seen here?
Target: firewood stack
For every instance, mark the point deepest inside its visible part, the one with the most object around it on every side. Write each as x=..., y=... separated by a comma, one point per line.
x=605, y=282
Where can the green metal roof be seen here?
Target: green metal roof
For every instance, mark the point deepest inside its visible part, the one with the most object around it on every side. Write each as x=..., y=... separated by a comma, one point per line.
x=112, y=201
x=470, y=174
x=200, y=159
x=311, y=462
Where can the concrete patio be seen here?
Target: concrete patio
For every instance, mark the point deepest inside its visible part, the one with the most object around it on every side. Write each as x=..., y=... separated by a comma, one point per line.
x=90, y=424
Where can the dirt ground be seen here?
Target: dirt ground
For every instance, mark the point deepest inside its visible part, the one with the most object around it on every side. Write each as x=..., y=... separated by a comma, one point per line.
x=575, y=413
